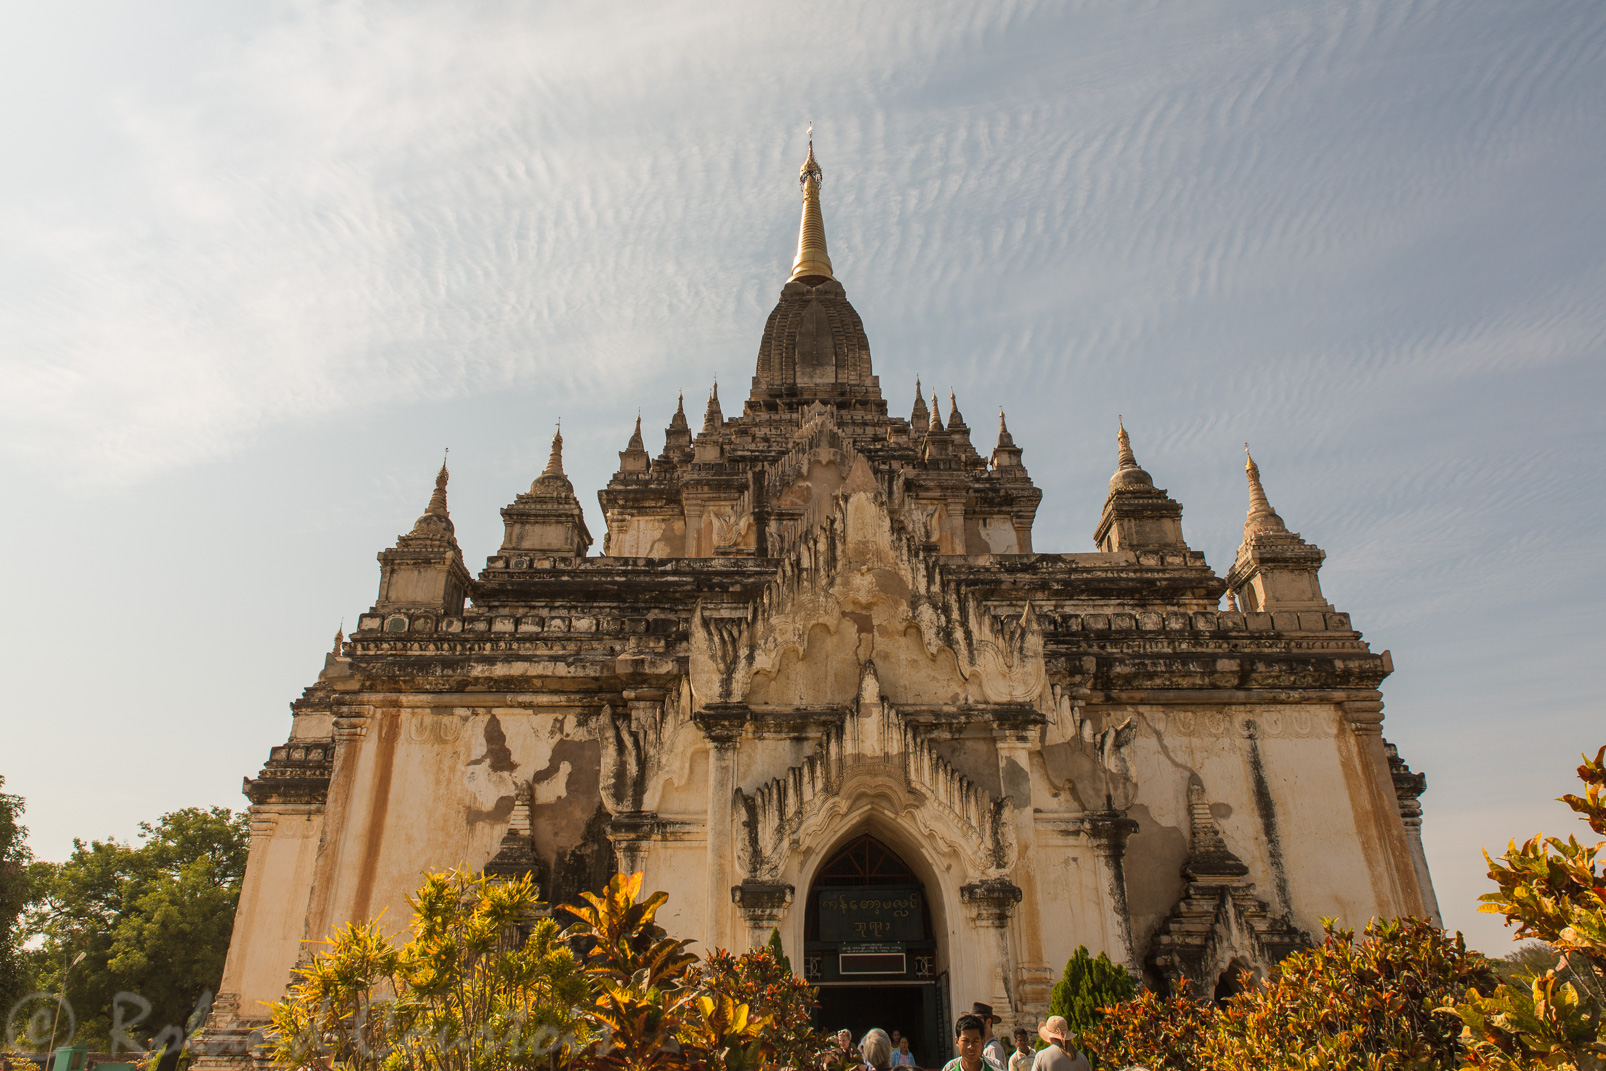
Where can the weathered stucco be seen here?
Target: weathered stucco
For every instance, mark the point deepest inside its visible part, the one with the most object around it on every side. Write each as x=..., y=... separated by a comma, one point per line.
x=814, y=621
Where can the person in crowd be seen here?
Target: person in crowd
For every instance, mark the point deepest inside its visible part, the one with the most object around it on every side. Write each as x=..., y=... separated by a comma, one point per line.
x=840, y=1055
x=896, y=1037
x=1061, y=1054
x=969, y=1033
x=876, y=1050
x=1021, y=1058
x=992, y=1050
x=901, y=1056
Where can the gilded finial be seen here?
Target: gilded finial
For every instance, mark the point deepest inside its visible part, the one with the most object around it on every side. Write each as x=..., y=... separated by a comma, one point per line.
x=1124, y=458
x=936, y=413
x=812, y=260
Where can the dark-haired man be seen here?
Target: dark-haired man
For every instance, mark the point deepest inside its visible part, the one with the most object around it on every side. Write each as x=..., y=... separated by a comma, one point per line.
x=969, y=1033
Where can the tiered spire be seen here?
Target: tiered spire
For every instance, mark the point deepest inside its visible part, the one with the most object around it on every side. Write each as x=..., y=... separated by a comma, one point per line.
x=920, y=416
x=425, y=570
x=713, y=417
x=634, y=457
x=677, y=437
x=1275, y=570
x=812, y=260
x=1128, y=474
x=1137, y=515
x=1006, y=455
x=936, y=414
x=955, y=419
x=435, y=517
x=546, y=521
x=1261, y=518
x=554, y=462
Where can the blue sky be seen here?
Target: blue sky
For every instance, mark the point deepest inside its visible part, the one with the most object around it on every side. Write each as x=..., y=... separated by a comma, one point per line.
x=260, y=263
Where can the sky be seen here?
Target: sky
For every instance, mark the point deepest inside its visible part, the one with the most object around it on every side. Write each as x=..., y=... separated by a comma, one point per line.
x=261, y=263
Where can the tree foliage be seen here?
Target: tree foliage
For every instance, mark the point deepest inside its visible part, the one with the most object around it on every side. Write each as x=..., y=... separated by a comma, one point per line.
x=1552, y=890
x=1372, y=1004
x=152, y=919
x=466, y=993
x=489, y=983
x=16, y=889
x=1087, y=987
x=763, y=980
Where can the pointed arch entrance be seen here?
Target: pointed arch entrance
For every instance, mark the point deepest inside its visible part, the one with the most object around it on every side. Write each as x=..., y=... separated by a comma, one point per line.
x=871, y=950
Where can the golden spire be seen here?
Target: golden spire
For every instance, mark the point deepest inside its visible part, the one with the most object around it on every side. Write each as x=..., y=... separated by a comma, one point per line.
x=1124, y=458
x=812, y=259
x=936, y=413
x=1261, y=518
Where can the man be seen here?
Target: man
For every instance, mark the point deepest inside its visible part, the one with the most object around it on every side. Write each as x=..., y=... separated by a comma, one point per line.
x=968, y=1031
x=992, y=1050
x=1021, y=1058
x=1060, y=1055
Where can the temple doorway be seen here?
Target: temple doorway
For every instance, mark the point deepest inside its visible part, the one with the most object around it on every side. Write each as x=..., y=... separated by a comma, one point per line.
x=870, y=948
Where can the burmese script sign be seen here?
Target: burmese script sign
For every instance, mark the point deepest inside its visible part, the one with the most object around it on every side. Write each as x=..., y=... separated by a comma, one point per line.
x=872, y=914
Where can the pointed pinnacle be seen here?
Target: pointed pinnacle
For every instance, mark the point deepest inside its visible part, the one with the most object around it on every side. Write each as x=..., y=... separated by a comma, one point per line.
x=554, y=462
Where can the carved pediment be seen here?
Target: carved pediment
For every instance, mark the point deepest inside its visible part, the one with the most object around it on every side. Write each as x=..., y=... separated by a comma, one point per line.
x=861, y=587
x=874, y=753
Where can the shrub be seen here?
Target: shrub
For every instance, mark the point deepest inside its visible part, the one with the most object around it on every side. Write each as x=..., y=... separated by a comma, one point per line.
x=1371, y=1004
x=1087, y=987
x=1552, y=890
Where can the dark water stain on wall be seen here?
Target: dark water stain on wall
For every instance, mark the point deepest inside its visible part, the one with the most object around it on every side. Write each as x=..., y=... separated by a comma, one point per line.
x=1154, y=858
x=1268, y=816
x=562, y=824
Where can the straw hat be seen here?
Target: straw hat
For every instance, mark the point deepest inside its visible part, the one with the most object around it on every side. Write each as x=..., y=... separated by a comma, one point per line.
x=1056, y=1031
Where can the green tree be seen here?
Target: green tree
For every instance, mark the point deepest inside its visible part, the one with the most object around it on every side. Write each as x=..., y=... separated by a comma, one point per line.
x=777, y=951
x=483, y=985
x=16, y=890
x=1552, y=890
x=152, y=919
x=489, y=983
x=1087, y=987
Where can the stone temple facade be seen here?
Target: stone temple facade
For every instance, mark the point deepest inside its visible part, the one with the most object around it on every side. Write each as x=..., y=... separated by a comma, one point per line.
x=820, y=681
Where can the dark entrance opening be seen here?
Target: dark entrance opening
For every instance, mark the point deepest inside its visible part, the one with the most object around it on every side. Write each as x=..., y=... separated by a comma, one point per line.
x=870, y=949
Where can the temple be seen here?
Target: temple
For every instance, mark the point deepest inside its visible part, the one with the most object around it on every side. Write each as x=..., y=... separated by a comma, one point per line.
x=819, y=681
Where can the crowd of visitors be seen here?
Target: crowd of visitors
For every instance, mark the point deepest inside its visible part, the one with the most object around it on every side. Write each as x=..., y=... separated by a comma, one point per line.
x=977, y=1048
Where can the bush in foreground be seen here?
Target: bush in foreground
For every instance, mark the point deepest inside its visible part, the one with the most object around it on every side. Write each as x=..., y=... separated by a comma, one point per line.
x=487, y=984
